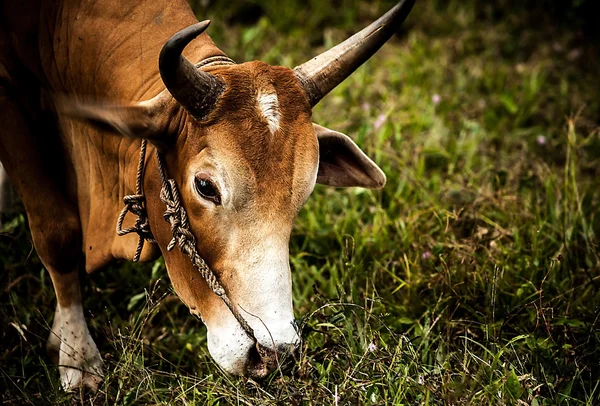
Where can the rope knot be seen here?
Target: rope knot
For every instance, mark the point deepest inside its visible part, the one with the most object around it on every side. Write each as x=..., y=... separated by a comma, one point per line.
x=136, y=205
x=176, y=216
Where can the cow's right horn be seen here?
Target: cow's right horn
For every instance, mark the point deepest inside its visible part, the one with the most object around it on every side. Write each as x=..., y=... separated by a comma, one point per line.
x=195, y=90
x=324, y=72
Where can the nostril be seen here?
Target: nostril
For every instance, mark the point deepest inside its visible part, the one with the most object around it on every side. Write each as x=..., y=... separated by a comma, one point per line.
x=263, y=360
x=256, y=366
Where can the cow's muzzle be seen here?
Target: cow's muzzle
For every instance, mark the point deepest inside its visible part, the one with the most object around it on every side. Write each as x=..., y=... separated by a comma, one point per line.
x=257, y=357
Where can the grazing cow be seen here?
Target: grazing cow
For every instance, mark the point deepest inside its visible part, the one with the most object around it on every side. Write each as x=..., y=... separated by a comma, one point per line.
x=84, y=85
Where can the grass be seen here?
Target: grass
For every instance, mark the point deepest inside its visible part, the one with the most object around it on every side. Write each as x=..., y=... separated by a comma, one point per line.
x=472, y=278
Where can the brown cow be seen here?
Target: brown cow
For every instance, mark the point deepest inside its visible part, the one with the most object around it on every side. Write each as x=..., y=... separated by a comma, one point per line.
x=237, y=139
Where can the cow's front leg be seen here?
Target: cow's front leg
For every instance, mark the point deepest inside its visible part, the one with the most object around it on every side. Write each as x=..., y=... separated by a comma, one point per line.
x=53, y=343
x=79, y=361
x=55, y=227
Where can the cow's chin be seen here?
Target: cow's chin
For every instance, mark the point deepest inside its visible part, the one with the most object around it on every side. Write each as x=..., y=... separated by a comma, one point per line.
x=232, y=348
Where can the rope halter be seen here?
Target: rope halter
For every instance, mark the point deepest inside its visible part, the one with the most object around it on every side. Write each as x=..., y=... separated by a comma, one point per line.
x=183, y=237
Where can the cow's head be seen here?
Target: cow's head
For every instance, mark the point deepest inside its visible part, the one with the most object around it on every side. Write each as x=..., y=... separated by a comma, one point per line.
x=239, y=141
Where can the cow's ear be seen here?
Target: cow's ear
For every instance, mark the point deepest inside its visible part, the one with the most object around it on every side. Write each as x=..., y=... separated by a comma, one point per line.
x=140, y=120
x=343, y=164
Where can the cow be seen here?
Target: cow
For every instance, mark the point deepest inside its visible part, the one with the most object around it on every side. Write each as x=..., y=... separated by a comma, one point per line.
x=101, y=100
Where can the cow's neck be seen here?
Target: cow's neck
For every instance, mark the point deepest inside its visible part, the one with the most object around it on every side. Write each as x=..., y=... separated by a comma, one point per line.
x=110, y=55
x=104, y=172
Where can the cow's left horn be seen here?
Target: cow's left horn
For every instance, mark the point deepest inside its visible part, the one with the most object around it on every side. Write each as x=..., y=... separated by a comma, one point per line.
x=195, y=90
x=321, y=74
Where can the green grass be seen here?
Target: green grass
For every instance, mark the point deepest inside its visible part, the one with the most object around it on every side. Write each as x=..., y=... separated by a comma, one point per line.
x=472, y=278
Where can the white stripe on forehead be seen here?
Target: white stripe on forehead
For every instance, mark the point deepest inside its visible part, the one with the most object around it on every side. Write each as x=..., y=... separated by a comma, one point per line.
x=269, y=107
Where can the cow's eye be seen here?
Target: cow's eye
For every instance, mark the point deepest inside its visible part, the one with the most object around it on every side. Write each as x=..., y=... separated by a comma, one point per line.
x=208, y=190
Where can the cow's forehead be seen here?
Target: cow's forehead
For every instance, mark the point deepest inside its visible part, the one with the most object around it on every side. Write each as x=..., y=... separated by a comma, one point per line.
x=275, y=90
x=261, y=131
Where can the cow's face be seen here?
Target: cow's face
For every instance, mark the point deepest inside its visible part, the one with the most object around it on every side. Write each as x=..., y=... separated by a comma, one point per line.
x=243, y=173
x=239, y=142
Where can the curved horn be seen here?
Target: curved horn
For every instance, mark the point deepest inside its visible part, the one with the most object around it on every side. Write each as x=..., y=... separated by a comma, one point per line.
x=195, y=90
x=321, y=74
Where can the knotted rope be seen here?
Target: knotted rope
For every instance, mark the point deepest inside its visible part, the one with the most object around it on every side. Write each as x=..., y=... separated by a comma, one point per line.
x=136, y=204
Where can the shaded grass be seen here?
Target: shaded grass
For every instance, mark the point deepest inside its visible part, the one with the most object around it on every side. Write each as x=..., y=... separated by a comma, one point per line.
x=472, y=278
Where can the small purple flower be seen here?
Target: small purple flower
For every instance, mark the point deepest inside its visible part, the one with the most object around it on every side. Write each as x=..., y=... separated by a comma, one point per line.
x=372, y=347
x=426, y=254
x=379, y=121
x=365, y=106
x=557, y=46
x=436, y=99
x=574, y=54
x=541, y=140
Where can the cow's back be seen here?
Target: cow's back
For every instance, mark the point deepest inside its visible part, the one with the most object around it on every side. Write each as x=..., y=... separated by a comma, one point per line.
x=102, y=49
